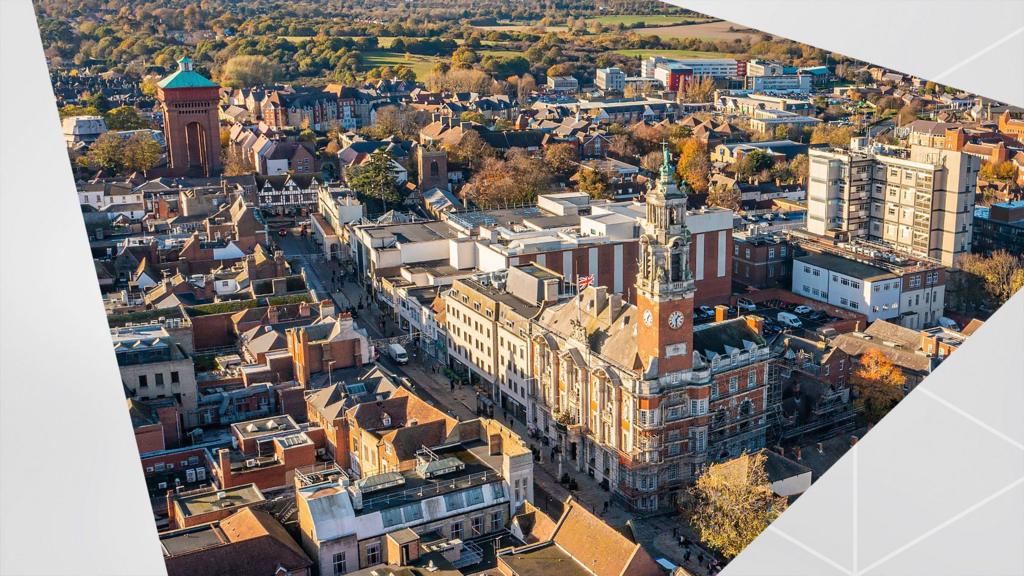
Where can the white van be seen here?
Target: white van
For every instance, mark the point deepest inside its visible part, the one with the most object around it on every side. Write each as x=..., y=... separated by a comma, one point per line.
x=397, y=353
x=789, y=320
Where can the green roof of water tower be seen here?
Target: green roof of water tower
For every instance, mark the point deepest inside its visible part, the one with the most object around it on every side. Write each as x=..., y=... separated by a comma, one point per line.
x=186, y=77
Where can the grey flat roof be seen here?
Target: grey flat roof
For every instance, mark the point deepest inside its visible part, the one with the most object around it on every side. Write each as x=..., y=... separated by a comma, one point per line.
x=846, y=267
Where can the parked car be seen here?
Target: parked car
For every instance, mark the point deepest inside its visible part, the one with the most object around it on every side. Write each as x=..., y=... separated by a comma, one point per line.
x=706, y=312
x=770, y=327
x=948, y=323
x=282, y=231
x=818, y=316
x=789, y=320
x=803, y=310
x=398, y=353
x=746, y=305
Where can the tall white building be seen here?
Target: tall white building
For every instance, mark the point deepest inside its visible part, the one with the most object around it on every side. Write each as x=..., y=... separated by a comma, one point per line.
x=919, y=200
x=610, y=79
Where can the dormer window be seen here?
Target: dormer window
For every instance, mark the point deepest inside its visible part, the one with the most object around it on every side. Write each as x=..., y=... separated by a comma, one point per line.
x=385, y=419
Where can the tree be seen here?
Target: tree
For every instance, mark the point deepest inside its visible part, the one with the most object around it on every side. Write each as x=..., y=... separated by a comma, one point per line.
x=464, y=57
x=470, y=151
x=561, y=158
x=106, y=153
x=991, y=279
x=909, y=113
x=376, y=178
x=1002, y=171
x=694, y=165
x=596, y=183
x=236, y=163
x=395, y=121
x=622, y=145
x=472, y=116
x=652, y=161
x=242, y=71
x=798, y=167
x=72, y=110
x=878, y=384
x=125, y=118
x=836, y=136
x=754, y=163
x=141, y=153
x=516, y=179
x=724, y=197
x=698, y=90
x=734, y=503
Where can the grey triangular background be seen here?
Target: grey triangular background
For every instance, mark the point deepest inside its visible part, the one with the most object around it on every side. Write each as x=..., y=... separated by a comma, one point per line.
x=974, y=45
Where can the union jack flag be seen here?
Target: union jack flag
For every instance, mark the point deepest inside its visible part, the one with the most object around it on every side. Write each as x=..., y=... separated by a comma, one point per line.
x=584, y=281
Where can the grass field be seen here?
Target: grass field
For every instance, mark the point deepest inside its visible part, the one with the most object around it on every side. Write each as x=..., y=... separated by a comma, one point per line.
x=649, y=19
x=672, y=53
x=710, y=30
x=520, y=28
x=382, y=41
x=499, y=53
x=421, y=65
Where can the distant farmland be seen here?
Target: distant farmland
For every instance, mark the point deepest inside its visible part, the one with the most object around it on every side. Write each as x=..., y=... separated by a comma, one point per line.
x=709, y=30
x=648, y=19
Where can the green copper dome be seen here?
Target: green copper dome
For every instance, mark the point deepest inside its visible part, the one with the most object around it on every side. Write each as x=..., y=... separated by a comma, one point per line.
x=186, y=77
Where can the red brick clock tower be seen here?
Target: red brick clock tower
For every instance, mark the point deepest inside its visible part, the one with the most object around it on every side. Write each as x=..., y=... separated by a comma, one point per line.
x=189, y=103
x=664, y=283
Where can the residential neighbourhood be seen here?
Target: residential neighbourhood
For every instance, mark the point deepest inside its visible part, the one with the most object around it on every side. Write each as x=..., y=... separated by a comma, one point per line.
x=391, y=292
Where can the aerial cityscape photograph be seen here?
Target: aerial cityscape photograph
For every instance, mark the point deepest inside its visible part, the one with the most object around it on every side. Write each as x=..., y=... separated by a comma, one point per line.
x=511, y=288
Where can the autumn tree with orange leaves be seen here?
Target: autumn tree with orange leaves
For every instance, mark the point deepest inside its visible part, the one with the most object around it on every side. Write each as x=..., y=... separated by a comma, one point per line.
x=878, y=384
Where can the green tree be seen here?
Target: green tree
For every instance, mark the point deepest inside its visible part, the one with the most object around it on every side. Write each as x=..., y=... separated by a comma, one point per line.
x=753, y=163
x=733, y=503
x=376, y=178
x=472, y=116
x=106, y=153
x=141, y=153
x=125, y=118
x=244, y=70
x=73, y=110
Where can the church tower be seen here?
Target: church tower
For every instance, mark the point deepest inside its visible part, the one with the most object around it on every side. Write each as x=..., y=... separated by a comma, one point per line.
x=664, y=283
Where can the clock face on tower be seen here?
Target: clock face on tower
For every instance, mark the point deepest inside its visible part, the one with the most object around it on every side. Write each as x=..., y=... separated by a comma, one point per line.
x=675, y=320
x=648, y=318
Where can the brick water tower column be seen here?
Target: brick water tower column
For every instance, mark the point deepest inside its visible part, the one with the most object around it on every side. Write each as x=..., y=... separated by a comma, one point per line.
x=189, y=103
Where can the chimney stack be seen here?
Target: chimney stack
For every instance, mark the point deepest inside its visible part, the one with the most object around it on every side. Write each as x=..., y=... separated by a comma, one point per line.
x=798, y=453
x=721, y=312
x=853, y=440
x=756, y=323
